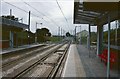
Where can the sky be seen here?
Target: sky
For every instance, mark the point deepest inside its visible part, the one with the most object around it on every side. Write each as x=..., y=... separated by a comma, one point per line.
x=46, y=12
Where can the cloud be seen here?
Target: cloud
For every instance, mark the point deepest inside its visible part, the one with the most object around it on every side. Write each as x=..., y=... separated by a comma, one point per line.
x=48, y=10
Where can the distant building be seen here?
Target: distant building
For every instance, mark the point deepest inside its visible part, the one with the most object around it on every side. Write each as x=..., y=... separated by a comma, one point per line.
x=83, y=33
x=9, y=32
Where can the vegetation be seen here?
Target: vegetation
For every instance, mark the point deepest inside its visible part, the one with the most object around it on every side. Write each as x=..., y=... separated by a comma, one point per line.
x=55, y=38
x=68, y=34
x=93, y=37
x=105, y=37
x=43, y=35
x=10, y=17
x=112, y=36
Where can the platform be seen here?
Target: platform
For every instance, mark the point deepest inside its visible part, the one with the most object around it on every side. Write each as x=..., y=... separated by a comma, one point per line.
x=8, y=50
x=92, y=64
x=81, y=62
x=73, y=66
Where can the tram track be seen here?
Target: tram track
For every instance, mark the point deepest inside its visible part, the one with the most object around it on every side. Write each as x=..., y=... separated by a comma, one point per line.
x=48, y=66
x=19, y=71
x=13, y=65
x=24, y=56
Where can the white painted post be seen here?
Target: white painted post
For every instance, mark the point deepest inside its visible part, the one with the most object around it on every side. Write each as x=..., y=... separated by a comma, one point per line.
x=116, y=32
x=36, y=34
x=29, y=28
x=108, y=60
x=58, y=33
x=89, y=39
x=80, y=36
x=98, y=46
x=75, y=33
x=10, y=13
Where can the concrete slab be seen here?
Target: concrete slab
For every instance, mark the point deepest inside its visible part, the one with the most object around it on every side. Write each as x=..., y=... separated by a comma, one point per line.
x=73, y=66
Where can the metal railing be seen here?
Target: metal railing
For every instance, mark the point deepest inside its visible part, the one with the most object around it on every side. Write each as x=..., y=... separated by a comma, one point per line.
x=13, y=23
x=113, y=46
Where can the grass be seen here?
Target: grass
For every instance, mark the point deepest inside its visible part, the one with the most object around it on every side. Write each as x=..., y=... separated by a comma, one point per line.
x=55, y=39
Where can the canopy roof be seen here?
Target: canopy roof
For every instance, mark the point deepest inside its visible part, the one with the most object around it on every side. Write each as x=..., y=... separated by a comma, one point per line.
x=95, y=13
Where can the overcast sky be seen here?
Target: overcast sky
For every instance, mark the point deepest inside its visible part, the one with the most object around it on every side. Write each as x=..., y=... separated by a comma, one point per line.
x=48, y=10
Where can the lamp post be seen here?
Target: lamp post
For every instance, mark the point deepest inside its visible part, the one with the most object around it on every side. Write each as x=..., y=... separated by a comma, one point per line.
x=21, y=20
x=36, y=32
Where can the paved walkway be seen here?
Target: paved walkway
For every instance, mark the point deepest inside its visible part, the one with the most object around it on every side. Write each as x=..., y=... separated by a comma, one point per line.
x=73, y=66
x=82, y=63
x=92, y=65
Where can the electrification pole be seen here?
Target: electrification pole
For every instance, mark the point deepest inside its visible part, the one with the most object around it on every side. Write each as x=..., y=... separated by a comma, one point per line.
x=29, y=28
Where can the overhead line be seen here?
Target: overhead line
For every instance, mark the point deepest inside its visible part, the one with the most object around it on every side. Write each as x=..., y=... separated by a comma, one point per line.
x=62, y=13
x=41, y=13
x=31, y=13
x=23, y=10
x=15, y=6
x=20, y=8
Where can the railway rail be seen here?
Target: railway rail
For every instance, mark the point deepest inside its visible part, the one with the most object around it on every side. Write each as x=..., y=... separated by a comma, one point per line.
x=46, y=64
x=16, y=58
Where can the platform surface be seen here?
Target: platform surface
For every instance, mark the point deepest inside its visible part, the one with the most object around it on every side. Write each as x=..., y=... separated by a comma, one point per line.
x=73, y=66
x=18, y=48
x=81, y=62
x=92, y=64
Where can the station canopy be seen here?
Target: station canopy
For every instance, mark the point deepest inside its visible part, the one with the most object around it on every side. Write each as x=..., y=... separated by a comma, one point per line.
x=95, y=13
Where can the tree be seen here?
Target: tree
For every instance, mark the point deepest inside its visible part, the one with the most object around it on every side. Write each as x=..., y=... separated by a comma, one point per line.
x=43, y=35
x=68, y=34
x=10, y=17
x=49, y=34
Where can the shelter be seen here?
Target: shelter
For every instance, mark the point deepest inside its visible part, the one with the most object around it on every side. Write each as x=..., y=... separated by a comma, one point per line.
x=97, y=14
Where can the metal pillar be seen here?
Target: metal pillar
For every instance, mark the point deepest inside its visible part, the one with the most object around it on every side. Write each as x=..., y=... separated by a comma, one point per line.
x=10, y=13
x=108, y=60
x=21, y=20
x=11, y=33
x=11, y=40
x=58, y=33
x=29, y=28
x=98, y=50
x=116, y=33
x=99, y=39
x=89, y=39
x=61, y=33
x=80, y=36
x=119, y=24
x=75, y=33
x=89, y=36
x=36, y=34
x=36, y=38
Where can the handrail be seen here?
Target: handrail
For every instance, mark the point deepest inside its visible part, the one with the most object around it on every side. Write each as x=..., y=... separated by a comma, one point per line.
x=113, y=46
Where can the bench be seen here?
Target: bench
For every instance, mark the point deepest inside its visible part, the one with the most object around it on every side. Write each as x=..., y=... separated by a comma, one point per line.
x=104, y=56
